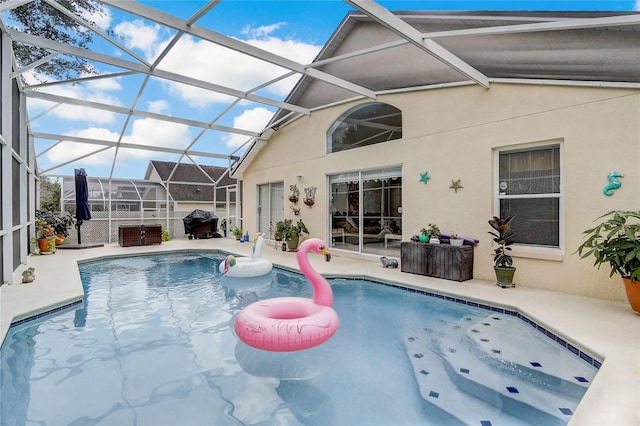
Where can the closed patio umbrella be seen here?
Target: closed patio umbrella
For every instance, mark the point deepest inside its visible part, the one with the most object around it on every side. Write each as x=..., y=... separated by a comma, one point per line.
x=83, y=212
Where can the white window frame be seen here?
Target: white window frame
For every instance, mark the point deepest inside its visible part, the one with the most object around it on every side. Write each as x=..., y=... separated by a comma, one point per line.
x=527, y=250
x=268, y=207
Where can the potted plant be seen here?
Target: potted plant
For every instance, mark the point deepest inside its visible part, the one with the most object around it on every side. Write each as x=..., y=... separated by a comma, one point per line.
x=59, y=221
x=45, y=236
x=237, y=232
x=616, y=241
x=291, y=232
x=430, y=234
x=503, y=237
x=281, y=229
x=454, y=240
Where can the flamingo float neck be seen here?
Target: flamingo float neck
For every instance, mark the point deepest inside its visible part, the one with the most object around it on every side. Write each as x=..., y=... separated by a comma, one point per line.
x=322, y=294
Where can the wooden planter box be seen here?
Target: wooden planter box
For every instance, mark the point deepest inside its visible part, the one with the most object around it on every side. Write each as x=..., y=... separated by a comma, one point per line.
x=139, y=235
x=437, y=260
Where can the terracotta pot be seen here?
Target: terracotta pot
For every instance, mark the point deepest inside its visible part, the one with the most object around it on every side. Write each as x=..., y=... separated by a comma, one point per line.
x=43, y=245
x=309, y=201
x=293, y=199
x=59, y=239
x=633, y=293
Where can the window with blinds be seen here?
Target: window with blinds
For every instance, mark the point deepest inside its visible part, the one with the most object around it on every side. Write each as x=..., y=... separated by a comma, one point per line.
x=529, y=188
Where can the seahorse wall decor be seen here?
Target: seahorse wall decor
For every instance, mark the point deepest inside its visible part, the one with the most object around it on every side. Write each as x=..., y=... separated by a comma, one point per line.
x=615, y=183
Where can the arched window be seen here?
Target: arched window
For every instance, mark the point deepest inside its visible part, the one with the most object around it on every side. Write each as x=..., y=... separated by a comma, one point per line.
x=365, y=124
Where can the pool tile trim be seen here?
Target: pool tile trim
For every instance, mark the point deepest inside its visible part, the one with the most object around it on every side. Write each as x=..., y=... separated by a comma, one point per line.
x=46, y=312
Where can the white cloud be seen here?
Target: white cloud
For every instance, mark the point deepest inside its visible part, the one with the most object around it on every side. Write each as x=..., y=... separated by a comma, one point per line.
x=137, y=35
x=147, y=131
x=92, y=90
x=262, y=31
x=75, y=113
x=159, y=106
x=637, y=5
x=209, y=62
x=252, y=119
x=102, y=20
x=67, y=151
x=144, y=131
x=103, y=84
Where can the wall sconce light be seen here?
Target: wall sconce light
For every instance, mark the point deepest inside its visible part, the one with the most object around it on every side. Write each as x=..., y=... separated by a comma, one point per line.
x=300, y=178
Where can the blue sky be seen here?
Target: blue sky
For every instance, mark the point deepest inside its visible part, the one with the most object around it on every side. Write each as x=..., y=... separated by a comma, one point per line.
x=295, y=29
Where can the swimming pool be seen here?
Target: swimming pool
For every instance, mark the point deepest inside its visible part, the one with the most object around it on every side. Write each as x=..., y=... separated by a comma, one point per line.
x=154, y=344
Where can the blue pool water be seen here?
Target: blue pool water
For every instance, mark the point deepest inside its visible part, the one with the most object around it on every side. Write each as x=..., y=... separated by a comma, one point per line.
x=153, y=344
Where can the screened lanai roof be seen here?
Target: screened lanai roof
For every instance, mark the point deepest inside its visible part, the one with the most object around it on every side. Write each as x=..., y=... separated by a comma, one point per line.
x=178, y=83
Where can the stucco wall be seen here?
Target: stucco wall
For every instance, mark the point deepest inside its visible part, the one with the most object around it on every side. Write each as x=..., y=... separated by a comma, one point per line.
x=452, y=133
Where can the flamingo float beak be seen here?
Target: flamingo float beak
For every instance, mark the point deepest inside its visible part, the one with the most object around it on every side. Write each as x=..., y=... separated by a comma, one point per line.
x=327, y=255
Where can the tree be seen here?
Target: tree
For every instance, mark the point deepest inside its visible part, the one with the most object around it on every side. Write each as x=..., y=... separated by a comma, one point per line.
x=50, y=192
x=41, y=19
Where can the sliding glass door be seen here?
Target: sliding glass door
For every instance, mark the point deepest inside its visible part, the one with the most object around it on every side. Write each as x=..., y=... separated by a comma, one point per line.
x=366, y=211
x=270, y=206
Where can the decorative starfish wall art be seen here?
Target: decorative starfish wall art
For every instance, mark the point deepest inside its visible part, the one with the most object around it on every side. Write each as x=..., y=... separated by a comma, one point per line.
x=424, y=177
x=455, y=185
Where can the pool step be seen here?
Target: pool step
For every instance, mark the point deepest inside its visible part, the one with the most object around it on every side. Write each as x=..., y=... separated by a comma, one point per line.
x=438, y=390
x=507, y=342
x=488, y=363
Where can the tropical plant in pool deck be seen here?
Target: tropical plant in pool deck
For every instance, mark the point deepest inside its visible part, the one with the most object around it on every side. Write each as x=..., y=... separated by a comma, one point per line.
x=60, y=221
x=503, y=263
x=616, y=241
x=45, y=236
x=289, y=232
x=237, y=232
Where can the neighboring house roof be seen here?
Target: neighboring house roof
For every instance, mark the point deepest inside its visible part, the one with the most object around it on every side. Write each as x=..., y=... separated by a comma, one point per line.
x=183, y=182
x=443, y=48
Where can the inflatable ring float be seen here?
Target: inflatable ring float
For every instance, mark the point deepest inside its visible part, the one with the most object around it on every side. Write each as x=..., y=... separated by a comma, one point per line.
x=243, y=267
x=285, y=324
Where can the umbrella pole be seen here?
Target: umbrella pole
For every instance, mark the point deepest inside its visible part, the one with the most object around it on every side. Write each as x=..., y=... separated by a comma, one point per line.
x=78, y=225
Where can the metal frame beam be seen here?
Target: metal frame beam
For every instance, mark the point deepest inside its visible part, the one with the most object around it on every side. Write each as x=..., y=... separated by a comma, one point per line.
x=122, y=110
x=413, y=36
x=234, y=44
x=140, y=68
x=113, y=144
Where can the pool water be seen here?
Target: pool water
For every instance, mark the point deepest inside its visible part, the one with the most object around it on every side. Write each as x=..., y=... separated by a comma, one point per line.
x=153, y=344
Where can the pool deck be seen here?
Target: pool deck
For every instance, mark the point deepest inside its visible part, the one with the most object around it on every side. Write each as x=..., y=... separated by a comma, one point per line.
x=607, y=330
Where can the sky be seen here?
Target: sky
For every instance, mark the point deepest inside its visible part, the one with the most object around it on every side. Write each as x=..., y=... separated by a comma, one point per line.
x=294, y=29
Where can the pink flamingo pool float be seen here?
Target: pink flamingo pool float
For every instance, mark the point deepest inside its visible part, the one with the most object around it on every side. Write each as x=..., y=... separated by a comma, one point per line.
x=286, y=324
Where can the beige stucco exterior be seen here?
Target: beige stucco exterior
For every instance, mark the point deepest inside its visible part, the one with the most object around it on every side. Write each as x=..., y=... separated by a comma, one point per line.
x=453, y=133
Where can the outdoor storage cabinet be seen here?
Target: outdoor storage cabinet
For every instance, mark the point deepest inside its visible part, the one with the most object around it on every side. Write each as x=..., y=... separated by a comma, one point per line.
x=139, y=235
x=437, y=260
